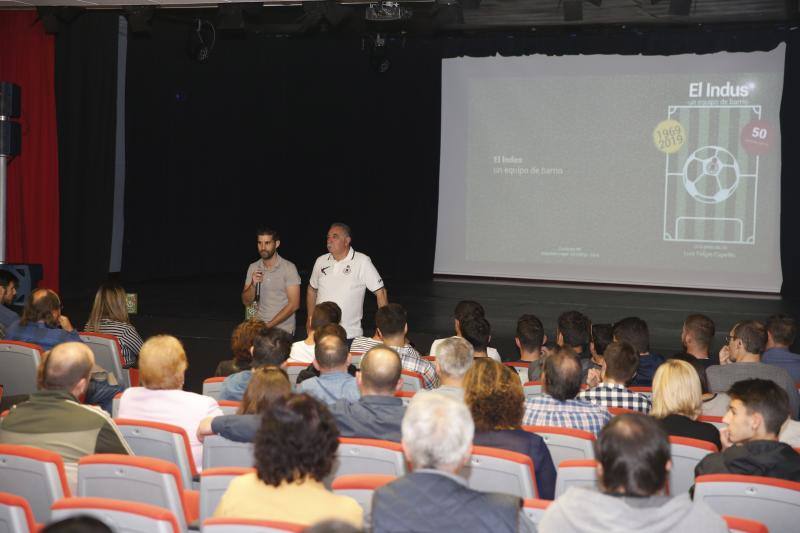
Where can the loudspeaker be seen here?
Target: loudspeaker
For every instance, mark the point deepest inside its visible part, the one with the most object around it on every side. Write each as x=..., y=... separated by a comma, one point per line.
x=28, y=276
x=9, y=99
x=10, y=138
x=573, y=10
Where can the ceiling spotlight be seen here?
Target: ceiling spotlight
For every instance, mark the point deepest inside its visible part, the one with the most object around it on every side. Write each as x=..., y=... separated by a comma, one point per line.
x=386, y=10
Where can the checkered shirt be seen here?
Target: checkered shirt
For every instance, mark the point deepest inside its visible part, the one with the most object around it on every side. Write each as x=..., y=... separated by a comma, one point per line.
x=413, y=361
x=617, y=395
x=544, y=410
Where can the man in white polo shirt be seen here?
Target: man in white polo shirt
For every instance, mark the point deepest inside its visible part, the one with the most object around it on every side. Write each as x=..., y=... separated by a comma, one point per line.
x=342, y=276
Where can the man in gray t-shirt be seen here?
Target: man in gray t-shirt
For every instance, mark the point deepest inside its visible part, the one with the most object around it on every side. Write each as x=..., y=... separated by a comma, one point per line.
x=740, y=359
x=276, y=283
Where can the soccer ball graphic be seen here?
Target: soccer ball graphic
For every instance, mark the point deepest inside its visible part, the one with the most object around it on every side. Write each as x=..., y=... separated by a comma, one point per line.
x=711, y=174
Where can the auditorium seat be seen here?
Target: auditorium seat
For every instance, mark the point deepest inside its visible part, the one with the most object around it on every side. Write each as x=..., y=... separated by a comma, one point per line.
x=405, y=395
x=532, y=388
x=247, y=525
x=229, y=407
x=212, y=387
x=521, y=368
x=213, y=484
x=355, y=358
x=534, y=508
x=773, y=502
x=620, y=411
x=686, y=453
x=138, y=479
x=743, y=525
x=221, y=452
x=160, y=441
x=576, y=473
x=121, y=516
x=108, y=354
x=20, y=361
x=714, y=420
x=647, y=391
x=293, y=369
x=361, y=487
x=431, y=358
x=565, y=444
x=34, y=474
x=412, y=381
x=115, y=404
x=368, y=456
x=15, y=514
x=496, y=470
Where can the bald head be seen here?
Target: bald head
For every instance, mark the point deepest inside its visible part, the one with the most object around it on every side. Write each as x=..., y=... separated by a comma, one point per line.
x=380, y=371
x=66, y=365
x=43, y=305
x=330, y=352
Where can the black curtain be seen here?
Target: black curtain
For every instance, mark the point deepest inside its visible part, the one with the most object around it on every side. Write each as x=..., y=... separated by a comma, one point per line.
x=86, y=94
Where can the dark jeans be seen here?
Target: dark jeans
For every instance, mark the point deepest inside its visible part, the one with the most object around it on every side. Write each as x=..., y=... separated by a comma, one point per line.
x=102, y=393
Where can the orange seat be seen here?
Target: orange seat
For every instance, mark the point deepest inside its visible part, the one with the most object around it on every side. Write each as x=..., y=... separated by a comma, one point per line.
x=534, y=508
x=34, y=474
x=412, y=381
x=15, y=514
x=213, y=484
x=565, y=444
x=229, y=407
x=686, y=453
x=497, y=470
x=576, y=473
x=369, y=456
x=212, y=387
x=620, y=410
x=742, y=525
x=361, y=487
x=20, y=364
x=108, y=354
x=248, y=525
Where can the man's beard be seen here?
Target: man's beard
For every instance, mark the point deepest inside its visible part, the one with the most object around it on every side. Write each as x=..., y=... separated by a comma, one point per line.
x=267, y=255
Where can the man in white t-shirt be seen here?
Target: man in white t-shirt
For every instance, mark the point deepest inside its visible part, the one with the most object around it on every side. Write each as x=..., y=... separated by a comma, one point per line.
x=276, y=282
x=343, y=276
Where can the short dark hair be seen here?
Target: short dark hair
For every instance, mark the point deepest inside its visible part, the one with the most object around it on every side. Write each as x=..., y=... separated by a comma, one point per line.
x=477, y=332
x=77, y=524
x=40, y=306
x=530, y=333
x=562, y=374
x=783, y=328
x=602, y=336
x=633, y=330
x=271, y=347
x=575, y=327
x=622, y=361
x=763, y=396
x=702, y=329
x=468, y=308
x=698, y=366
x=325, y=313
x=381, y=374
x=268, y=231
x=330, y=351
x=753, y=335
x=391, y=319
x=634, y=450
x=298, y=438
x=7, y=278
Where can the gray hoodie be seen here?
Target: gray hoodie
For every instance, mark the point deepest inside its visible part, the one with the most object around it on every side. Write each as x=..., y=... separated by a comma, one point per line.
x=586, y=510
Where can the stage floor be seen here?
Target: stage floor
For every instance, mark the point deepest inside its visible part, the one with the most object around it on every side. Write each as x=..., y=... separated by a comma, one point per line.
x=202, y=312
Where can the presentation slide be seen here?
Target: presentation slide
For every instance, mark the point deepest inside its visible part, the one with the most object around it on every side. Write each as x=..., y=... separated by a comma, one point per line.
x=640, y=170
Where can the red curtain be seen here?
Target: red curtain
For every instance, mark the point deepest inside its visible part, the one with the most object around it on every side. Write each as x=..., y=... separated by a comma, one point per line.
x=27, y=58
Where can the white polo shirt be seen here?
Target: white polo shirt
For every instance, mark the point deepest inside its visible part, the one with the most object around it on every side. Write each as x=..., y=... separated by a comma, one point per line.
x=344, y=282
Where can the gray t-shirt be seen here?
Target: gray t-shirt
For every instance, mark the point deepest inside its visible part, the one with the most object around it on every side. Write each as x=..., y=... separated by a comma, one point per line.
x=273, y=289
x=721, y=377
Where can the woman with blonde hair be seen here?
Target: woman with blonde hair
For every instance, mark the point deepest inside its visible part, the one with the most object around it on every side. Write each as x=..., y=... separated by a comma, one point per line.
x=494, y=395
x=110, y=315
x=162, y=364
x=267, y=384
x=678, y=401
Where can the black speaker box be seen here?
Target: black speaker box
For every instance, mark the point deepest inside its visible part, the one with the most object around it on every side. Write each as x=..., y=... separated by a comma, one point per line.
x=9, y=99
x=28, y=276
x=10, y=138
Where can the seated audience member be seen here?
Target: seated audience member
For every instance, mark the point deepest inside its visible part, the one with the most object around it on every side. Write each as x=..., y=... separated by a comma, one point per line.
x=696, y=336
x=324, y=313
x=437, y=441
x=635, y=332
x=558, y=405
x=267, y=384
x=454, y=360
x=241, y=348
x=162, y=364
x=620, y=363
x=465, y=309
x=677, y=402
x=781, y=331
x=53, y=419
x=495, y=398
x=270, y=348
x=295, y=448
x=573, y=332
x=478, y=332
x=714, y=403
x=334, y=383
x=602, y=336
x=740, y=359
x=8, y=291
x=633, y=456
x=529, y=339
x=110, y=315
x=750, y=443
x=312, y=371
x=392, y=326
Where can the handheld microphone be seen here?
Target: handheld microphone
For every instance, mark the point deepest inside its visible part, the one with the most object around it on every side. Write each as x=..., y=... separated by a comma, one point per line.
x=258, y=292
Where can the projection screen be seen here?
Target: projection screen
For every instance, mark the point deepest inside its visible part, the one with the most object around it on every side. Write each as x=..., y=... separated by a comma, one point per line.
x=641, y=170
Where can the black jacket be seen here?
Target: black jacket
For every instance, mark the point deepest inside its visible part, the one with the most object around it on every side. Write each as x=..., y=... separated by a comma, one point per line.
x=756, y=458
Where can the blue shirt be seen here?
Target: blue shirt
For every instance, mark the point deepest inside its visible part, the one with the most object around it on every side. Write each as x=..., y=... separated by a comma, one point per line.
x=41, y=334
x=785, y=359
x=329, y=388
x=234, y=386
x=7, y=316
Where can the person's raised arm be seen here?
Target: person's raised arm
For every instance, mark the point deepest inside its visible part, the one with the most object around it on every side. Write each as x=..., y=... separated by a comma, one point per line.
x=311, y=299
x=249, y=292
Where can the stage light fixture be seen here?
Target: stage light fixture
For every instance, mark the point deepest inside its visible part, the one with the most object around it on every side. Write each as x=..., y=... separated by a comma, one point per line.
x=140, y=18
x=202, y=38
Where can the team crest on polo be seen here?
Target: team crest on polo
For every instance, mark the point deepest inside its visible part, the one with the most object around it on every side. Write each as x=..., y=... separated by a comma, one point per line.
x=347, y=269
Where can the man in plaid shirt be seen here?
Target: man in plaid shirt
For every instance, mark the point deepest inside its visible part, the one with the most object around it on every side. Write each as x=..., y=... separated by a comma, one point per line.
x=621, y=361
x=557, y=406
x=392, y=325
